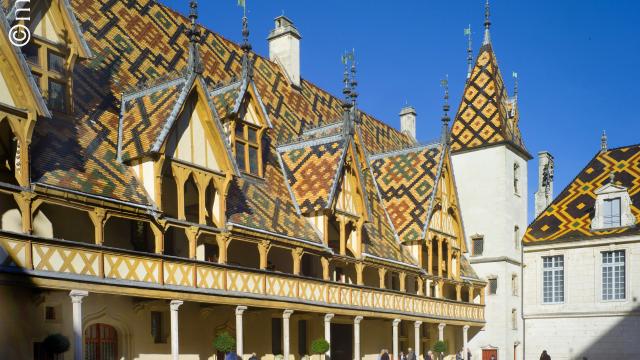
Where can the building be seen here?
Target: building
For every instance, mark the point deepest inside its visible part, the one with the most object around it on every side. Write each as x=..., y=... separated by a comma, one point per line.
x=581, y=261
x=161, y=184
x=490, y=168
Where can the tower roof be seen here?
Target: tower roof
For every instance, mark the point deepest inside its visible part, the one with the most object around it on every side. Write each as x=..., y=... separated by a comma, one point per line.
x=483, y=118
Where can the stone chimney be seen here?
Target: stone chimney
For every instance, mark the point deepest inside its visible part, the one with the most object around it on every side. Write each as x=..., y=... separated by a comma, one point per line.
x=284, y=48
x=544, y=195
x=408, y=121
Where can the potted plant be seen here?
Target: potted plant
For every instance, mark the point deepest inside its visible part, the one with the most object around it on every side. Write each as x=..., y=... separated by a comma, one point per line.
x=440, y=347
x=56, y=344
x=319, y=347
x=226, y=344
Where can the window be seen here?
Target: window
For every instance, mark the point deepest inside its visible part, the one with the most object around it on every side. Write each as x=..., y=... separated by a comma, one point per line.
x=50, y=72
x=611, y=213
x=514, y=284
x=247, y=148
x=514, y=319
x=516, y=178
x=516, y=236
x=493, y=286
x=613, y=275
x=478, y=245
x=553, y=279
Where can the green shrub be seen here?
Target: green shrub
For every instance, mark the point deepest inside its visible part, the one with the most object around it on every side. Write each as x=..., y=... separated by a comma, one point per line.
x=224, y=342
x=320, y=346
x=439, y=347
x=56, y=343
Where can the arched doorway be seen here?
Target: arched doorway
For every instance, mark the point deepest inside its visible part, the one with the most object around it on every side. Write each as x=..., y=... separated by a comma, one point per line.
x=100, y=342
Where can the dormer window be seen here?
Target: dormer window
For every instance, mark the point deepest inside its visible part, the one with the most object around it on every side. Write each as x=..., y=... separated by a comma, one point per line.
x=248, y=148
x=612, y=207
x=611, y=213
x=50, y=70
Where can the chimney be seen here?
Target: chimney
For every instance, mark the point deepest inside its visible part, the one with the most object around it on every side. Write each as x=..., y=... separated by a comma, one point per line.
x=284, y=48
x=544, y=195
x=408, y=121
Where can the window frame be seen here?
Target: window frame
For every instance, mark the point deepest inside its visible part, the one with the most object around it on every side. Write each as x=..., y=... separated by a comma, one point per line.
x=612, y=265
x=553, y=269
x=473, y=245
x=608, y=213
x=516, y=236
x=489, y=281
x=516, y=178
x=43, y=74
x=515, y=291
x=246, y=144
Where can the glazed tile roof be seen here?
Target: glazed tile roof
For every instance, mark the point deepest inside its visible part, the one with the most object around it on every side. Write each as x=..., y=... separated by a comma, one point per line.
x=313, y=173
x=406, y=180
x=569, y=216
x=483, y=118
x=135, y=42
x=144, y=116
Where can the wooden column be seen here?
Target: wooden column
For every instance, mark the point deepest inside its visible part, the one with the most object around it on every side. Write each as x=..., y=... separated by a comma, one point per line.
x=263, y=249
x=223, y=242
x=458, y=261
x=296, y=255
x=403, y=278
x=343, y=236
x=24, y=201
x=201, y=183
x=325, y=268
x=420, y=290
x=449, y=250
x=458, y=292
x=471, y=295
x=439, y=257
x=98, y=217
x=430, y=257
x=359, y=273
x=381, y=274
x=481, y=296
x=180, y=175
x=158, y=235
x=192, y=236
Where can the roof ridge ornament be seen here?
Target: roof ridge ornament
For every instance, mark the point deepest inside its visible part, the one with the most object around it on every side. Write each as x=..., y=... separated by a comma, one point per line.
x=487, y=24
x=195, y=63
x=348, y=91
x=445, y=108
x=603, y=142
x=468, y=33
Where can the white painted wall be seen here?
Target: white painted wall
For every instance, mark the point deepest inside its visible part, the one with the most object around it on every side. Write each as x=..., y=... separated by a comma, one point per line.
x=490, y=207
x=584, y=325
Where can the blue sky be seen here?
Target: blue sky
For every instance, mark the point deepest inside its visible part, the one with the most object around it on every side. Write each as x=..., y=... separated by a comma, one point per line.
x=577, y=61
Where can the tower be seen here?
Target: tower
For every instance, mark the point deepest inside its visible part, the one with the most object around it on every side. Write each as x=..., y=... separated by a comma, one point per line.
x=490, y=167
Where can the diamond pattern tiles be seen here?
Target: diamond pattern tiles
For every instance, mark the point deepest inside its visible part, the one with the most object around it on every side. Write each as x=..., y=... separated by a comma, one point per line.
x=224, y=99
x=313, y=172
x=482, y=117
x=569, y=215
x=144, y=117
x=406, y=181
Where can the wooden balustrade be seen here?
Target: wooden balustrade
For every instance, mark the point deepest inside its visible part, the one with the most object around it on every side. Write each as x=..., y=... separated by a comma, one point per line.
x=49, y=257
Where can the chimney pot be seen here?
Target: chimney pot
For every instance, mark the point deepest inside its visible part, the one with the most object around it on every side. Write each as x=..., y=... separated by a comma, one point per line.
x=408, y=121
x=284, y=47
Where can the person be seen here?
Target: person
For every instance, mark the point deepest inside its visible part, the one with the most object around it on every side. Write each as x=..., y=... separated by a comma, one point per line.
x=411, y=355
x=429, y=355
x=544, y=355
x=253, y=356
x=403, y=356
x=493, y=357
x=385, y=355
x=459, y=355
x=468, y=354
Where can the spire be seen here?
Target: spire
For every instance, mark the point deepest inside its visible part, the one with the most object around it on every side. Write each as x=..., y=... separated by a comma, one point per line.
x=247, y=66
x=349, y=98
x=467, y=32
x=487, y=24
x=445, y=109
x=603, y=142
x=193, y=33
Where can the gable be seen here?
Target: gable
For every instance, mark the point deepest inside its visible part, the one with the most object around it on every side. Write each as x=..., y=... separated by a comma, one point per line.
x=445, y=217
x=570, y=214
x=350, y=197
x=406, y=180
x=54, y=21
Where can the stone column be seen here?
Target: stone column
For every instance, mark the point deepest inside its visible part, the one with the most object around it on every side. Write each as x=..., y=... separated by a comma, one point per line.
x=356, y=337
x=76, y=299
x=465, y=341
x=286, y=315
x=175, y=352
x=327, y=330
x=441, y=331
x=395, y=324
x=416, y=338
x=239, y=331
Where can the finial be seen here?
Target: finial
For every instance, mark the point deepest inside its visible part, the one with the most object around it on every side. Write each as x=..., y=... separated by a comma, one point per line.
x=346, y=57
x=467, y=32
x=515, y=84
x=487, y=24
x=603, y=141
x=354, y=82
x=193, y=33
x=612, y=178
x=246, y=45
x=445, y=108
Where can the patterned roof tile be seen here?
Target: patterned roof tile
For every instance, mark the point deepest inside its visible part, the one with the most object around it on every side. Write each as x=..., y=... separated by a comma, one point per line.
x=569, y=216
